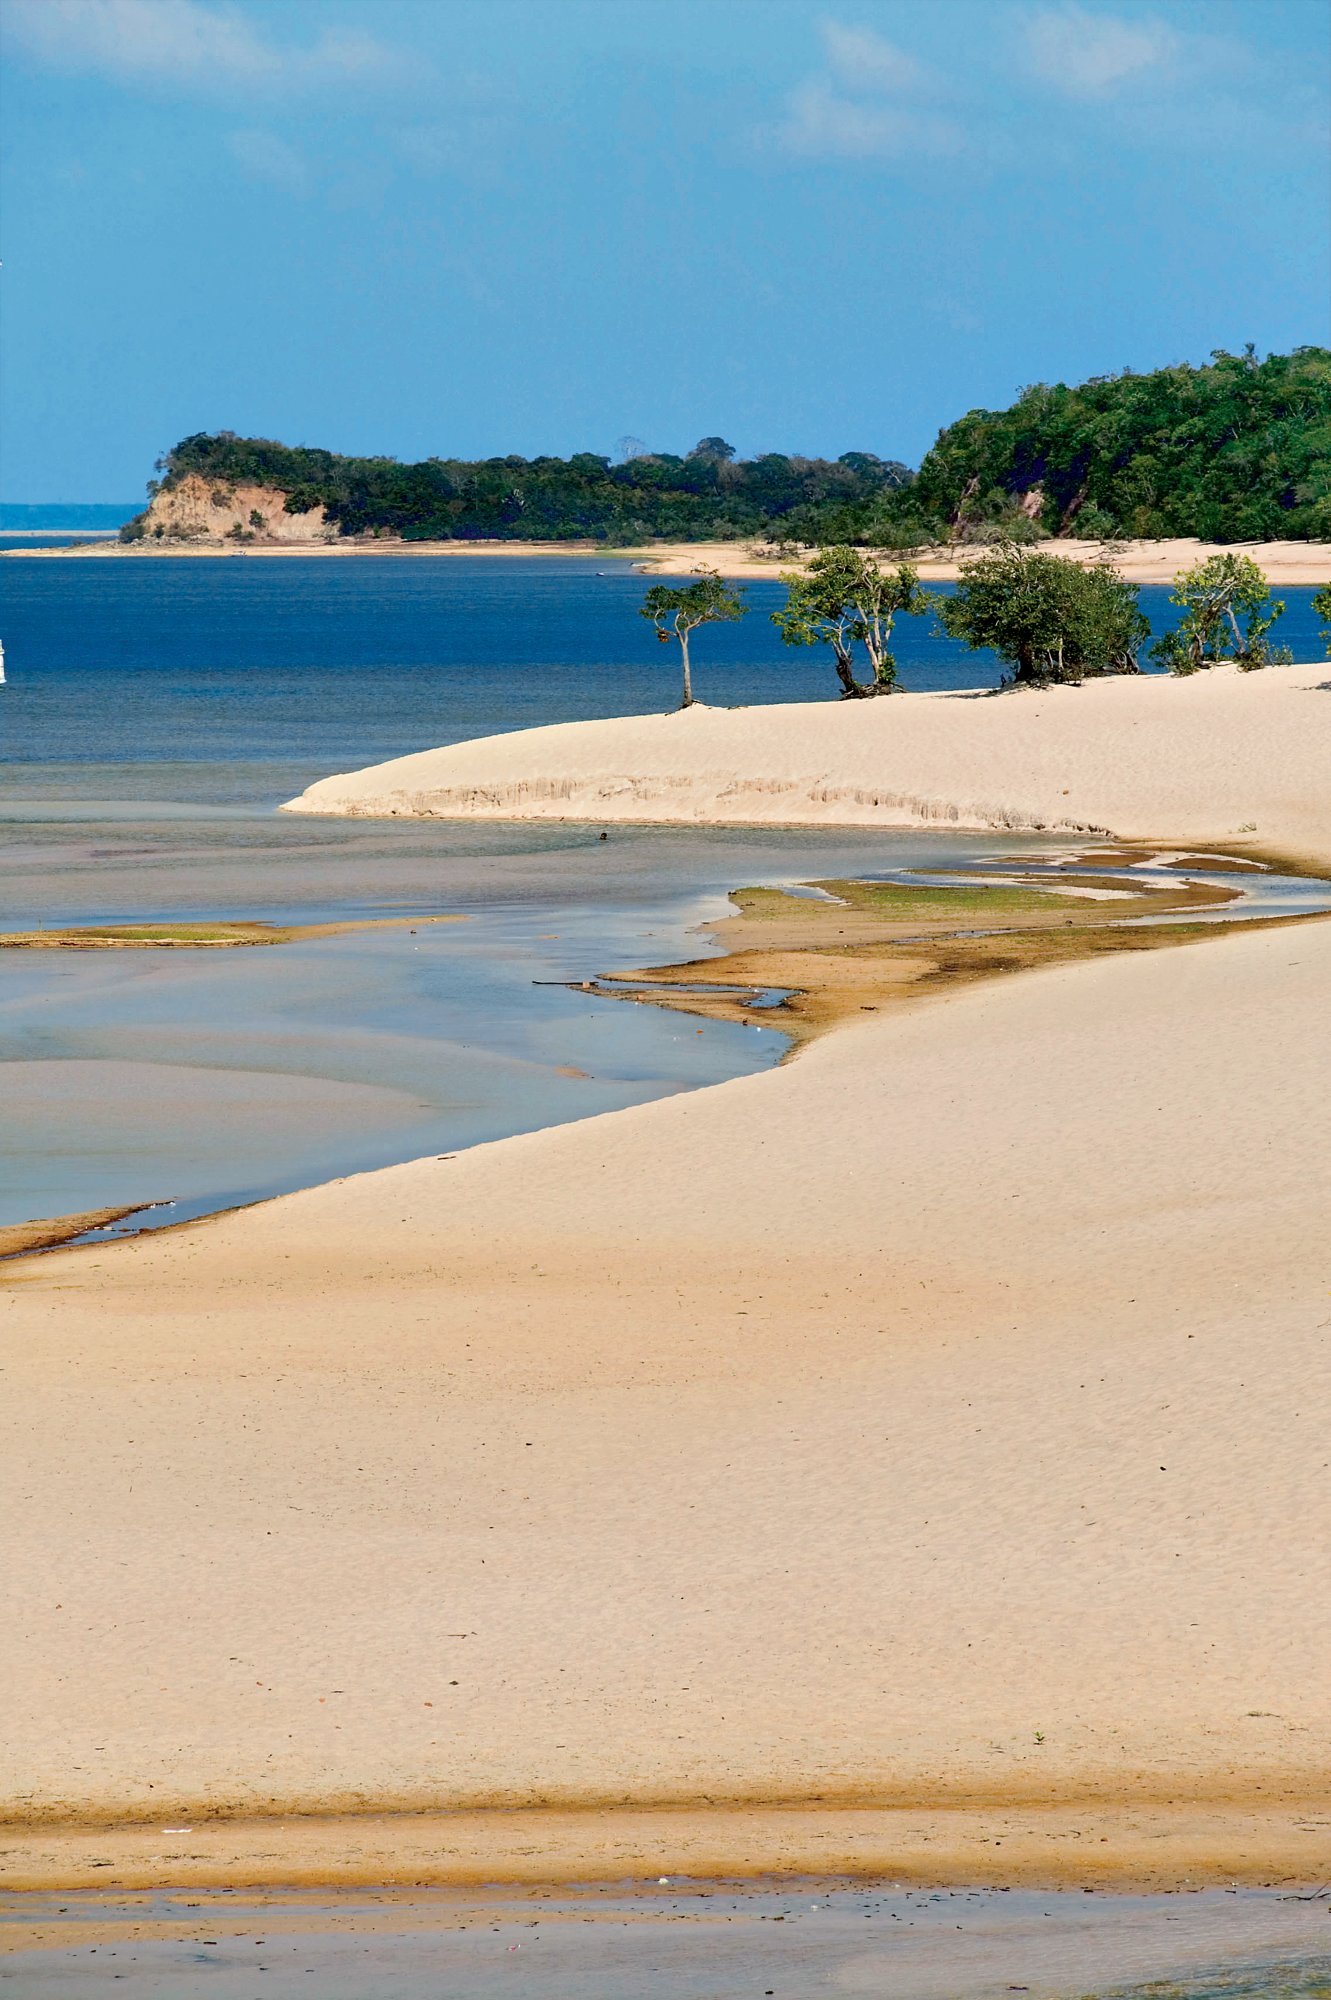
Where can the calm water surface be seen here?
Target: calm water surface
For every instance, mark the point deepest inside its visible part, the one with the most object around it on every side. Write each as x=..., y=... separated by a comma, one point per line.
x=156, y=714
x=201, y=1078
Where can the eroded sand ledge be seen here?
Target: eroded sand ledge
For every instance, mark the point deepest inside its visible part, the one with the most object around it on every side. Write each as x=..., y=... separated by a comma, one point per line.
x=938, y=1422
x=1219, y=756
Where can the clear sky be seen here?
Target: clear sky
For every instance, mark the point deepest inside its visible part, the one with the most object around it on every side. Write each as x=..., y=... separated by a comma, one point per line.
x=469, y=227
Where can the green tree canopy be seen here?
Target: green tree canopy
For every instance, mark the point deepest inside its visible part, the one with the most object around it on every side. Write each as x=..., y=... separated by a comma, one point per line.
x=1050, y=618
x=1239, y=450
x=845, y=600
x=1214, y=596
x=678, y=610
x=710, y=495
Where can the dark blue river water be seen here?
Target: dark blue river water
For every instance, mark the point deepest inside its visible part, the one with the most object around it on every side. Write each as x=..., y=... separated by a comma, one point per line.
x=244, y=678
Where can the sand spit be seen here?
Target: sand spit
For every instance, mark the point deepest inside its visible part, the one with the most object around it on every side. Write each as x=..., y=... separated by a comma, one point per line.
x=1141, y=562
x=221, y=934
x=1221, y=756
x=17, y=1238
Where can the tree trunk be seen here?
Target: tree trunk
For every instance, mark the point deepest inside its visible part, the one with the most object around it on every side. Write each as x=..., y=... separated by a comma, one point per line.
x=845, y=673
x=688, y=678
x=1240, y=644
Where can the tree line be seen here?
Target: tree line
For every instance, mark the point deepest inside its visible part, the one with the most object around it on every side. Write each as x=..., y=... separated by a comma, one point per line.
x=1237, y=450
x=707, y=495
x=1051, y=620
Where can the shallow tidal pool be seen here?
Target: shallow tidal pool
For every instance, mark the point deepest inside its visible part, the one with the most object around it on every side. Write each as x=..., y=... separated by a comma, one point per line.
x=197, y=1079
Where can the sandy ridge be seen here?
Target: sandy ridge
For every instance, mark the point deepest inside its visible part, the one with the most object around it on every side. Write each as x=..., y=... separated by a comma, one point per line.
x=1218, y=756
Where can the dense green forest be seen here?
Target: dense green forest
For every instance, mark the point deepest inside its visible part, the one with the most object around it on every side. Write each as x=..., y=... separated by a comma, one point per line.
x=1239, y=450
x=709, y=495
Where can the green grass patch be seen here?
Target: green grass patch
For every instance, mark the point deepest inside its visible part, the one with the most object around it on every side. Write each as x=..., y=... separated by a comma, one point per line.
x=110, y=937
x=895, y=902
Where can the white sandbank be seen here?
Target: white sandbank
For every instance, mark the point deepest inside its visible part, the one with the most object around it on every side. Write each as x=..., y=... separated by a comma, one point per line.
x=1218, y=756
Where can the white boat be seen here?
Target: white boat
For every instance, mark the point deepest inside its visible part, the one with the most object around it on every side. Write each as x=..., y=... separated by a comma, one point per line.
x=2, y=664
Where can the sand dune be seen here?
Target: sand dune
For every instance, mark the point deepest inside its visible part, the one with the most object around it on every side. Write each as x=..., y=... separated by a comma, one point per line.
x=1218, y=756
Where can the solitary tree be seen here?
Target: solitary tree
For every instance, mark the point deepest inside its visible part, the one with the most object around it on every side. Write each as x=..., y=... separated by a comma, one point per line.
x=714, y=448
x=1322, y=606
x=677, y=611
x=1213, y=596
x=1050, y=618
x=843, y=600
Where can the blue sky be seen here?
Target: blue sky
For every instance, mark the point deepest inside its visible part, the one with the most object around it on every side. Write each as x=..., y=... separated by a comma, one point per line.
x=469, y=227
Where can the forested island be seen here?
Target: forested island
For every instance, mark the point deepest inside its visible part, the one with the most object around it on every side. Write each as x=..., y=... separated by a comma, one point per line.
x=708, y=495
x=1238, y=450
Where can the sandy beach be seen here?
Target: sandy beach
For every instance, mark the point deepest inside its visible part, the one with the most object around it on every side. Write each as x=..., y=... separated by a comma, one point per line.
x=926, y=1438
x=1141, y=562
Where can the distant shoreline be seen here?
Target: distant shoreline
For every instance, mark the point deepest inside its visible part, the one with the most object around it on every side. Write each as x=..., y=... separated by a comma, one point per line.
x=41, y=534
x=1140, y=562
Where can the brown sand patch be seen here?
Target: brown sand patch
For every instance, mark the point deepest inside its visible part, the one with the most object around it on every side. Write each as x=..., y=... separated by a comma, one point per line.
x=221, y=935
x=877, y=944
x=17, y=1238
x=1107, y=1844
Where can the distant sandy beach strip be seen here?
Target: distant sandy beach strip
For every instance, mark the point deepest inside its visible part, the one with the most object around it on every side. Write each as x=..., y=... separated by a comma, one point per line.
x=1141, y=562
x=933, y=1426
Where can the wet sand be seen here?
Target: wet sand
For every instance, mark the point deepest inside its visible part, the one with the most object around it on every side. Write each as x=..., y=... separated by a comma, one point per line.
x=1151, y=1845
x=44, y=1232
x=222, y=934
x=685, y=1939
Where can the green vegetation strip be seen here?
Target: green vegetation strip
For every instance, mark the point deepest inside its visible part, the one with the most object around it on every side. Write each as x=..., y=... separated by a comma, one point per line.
x=216, y=935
